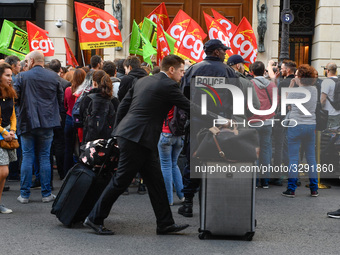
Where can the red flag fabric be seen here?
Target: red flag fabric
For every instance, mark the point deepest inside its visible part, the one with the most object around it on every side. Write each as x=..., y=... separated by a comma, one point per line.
x=70, y=59
x=163, y=48
x=216, y=30
x=160, y=15
x=97, y=29
x=191, y=46
x=184, y=27
x=178, y=27
x=230, y=27
x=38, y=40
x=244, y=43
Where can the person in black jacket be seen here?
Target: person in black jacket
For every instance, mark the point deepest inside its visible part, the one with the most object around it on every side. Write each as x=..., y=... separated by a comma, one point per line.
x=133, y=72
x=138, y=126
x=101, y=92
x=58, y=144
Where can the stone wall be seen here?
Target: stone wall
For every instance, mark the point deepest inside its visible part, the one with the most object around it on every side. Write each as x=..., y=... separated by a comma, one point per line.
x=326, y=40
x=54, y=10
x=271, y=40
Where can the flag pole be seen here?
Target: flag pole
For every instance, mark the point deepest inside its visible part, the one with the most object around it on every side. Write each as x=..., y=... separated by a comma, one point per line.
x=126, y=38
x=82, y=55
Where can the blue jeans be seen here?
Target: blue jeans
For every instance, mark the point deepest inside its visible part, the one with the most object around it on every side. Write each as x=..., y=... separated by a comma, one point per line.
x=169, y=148
x=265, y=137
x=302, y=135
x=39, y=140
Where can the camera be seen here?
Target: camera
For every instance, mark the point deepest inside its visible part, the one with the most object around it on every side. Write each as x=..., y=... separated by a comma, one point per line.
x=59, y=23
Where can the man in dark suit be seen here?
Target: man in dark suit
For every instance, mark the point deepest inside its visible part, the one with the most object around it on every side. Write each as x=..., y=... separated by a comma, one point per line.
x=138, y=125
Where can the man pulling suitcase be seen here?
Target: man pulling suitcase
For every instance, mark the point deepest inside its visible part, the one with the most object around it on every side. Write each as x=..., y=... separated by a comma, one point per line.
x=138, y=125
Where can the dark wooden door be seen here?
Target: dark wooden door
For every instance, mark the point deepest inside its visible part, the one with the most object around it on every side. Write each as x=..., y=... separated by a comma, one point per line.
x=234, y=10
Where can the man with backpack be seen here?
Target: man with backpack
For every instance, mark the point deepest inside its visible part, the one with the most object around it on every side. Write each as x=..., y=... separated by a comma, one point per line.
x=330, y=95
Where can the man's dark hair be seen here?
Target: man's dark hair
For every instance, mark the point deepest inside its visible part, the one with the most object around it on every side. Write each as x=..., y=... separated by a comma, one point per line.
x=289, y=63
x=132, y=61
x=12, y=60
x=110, y=68
x=95, y=61
x=156, y=69
x=171, y=60
x=55, y=65
x=120, y=66
x=258, y=68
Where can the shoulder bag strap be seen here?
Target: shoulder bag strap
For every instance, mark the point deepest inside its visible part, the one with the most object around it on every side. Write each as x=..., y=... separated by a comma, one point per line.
x=270, y=100
x=335, y=80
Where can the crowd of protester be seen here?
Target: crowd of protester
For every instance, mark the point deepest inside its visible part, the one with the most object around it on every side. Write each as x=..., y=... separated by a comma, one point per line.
x=38, y=99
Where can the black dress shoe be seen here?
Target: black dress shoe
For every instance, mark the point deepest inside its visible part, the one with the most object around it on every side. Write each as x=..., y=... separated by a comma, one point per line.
x=100, y=229
x=171, y=229
x=6, y=188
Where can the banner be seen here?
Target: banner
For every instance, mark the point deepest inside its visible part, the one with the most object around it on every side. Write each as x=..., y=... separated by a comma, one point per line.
x=139, y=45
x=178, y=27
x=160, y=15
x=244, y=43
x=13, y=40
x=149, y=31
x=191, y=46
x=229, y=26
x=70, y=59
x=217, y=31
x=97, y=29
x=163, y=48
x=38, y=40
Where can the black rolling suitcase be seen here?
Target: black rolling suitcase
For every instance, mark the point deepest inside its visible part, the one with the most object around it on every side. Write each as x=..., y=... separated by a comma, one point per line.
x=227, y=205
x=81, y=190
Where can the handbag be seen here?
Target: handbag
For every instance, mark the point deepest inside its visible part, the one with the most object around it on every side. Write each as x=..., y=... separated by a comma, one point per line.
x=321, y=117
x=231, y=145
x=14, y=144
x=99, y=152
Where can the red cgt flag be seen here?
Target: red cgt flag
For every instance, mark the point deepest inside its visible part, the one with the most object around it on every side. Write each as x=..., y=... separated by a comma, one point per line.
x=38, y=40
x=189, y=36
x=178, y=27
x=244, y=43
x=160, y=15
x=97, y=29
x=163, y=48
x=191, y=46
x=70, y=59
x=229, y=26
x=217, y=31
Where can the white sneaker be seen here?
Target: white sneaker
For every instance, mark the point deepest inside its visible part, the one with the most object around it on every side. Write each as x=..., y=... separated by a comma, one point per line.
x=50, y=198
x=3, y=209
x=22, y=200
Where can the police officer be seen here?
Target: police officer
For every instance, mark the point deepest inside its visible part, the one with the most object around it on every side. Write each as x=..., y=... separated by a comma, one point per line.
x=213, y=66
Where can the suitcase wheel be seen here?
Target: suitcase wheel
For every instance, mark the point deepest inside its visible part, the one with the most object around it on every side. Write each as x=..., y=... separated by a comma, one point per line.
x=202, y=235
x=249, y=236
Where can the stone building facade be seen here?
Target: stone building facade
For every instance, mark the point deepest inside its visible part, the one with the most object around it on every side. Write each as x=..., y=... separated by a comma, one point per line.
x=317, y=46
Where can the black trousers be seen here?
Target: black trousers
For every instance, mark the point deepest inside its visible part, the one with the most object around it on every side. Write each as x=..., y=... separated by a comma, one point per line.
x=133, y=158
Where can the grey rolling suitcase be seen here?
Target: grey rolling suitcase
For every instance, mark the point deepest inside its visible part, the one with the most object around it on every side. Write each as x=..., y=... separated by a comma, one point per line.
x=227, y=205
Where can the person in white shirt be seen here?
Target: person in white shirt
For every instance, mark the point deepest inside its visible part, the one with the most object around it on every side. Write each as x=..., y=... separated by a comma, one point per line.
x=327, y=90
